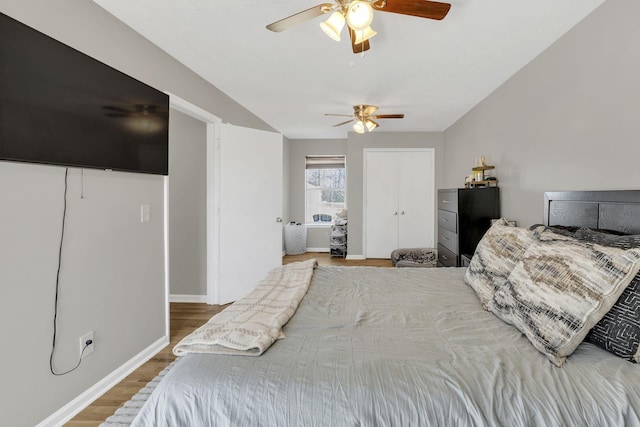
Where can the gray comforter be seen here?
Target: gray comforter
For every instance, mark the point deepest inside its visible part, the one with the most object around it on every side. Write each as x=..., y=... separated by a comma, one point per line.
x=396, y=347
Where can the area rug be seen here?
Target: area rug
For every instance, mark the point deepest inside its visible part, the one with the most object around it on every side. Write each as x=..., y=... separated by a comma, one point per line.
x=126, y=413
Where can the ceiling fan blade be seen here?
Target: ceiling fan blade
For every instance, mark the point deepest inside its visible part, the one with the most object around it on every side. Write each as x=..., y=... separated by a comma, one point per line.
x=388, y=116
x=419, y=8
x=305, y=15
x=343, y=123
x=358, y=47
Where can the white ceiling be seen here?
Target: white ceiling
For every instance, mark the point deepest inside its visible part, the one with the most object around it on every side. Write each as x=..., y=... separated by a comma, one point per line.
x=432, y=71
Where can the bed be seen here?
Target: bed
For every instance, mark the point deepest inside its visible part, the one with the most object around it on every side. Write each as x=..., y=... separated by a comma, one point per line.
x=396, y=347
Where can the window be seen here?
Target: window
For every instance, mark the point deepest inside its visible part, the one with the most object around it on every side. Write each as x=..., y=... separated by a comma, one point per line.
x=325, y=188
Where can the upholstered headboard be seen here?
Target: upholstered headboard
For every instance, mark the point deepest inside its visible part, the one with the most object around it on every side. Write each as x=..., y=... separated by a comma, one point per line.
x=609, y=210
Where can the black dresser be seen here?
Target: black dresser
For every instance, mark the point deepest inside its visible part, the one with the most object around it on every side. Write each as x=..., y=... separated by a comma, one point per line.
x=464, y=215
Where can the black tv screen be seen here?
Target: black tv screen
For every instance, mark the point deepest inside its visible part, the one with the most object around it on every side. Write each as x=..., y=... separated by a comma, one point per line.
x=59, y=106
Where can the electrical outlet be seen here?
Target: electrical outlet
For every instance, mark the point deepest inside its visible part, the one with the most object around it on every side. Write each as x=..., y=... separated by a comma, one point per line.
x=83, y=342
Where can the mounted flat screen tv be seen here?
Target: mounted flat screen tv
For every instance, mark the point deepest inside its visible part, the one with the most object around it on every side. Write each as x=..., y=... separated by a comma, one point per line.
x=59, y=106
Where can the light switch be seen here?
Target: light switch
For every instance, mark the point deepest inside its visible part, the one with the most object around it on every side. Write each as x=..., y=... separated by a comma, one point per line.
x=145, y=213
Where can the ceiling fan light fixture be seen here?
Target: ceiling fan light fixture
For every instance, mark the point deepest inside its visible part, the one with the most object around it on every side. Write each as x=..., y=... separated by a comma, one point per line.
x=359, y=15
x=370, y=125
x=358, y=126
x=333, y=26
x=364, y=35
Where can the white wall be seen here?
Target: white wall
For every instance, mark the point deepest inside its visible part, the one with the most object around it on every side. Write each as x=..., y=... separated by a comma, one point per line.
x=113, y=273
x=567, y=121
x=187, y=207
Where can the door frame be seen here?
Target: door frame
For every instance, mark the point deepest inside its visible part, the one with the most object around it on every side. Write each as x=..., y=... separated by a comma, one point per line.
x=365, y=151
x=212, y=123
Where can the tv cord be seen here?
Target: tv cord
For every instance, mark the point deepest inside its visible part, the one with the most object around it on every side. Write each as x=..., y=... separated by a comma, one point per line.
x=55, y=311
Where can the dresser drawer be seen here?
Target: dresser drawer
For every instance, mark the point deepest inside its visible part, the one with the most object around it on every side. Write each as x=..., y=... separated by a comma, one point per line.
x=448, y=239
x=448, y=200
x=446, y=257
x=448, y=220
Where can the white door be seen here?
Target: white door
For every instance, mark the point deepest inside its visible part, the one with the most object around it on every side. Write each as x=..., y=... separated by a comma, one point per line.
x=381, y=201
x=399, y=200
x=249, y=210
x=415, y=199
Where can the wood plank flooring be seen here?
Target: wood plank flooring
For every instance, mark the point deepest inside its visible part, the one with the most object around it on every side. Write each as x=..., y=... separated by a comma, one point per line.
x=184, y=318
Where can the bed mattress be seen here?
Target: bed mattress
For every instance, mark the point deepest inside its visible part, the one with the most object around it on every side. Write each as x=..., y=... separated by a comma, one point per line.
x=396, y=347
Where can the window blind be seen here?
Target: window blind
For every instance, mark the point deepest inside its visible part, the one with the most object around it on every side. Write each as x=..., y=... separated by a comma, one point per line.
x=324, y=162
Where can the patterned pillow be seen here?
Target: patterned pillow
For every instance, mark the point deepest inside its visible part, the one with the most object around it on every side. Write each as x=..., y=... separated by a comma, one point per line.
x=561, y=288
x=619, y=330
x=499, y=250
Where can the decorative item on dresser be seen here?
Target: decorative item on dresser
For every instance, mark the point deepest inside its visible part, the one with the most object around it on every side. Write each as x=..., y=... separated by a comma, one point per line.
x=480, y=177
x=464, y=214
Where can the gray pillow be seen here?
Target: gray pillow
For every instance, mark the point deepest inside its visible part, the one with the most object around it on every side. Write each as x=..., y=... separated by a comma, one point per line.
x=559, y=229
x=496, y=255
x=560, y=288
x=625, y=241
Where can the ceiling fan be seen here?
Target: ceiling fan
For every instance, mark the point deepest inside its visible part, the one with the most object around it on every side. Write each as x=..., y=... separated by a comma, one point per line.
x=358, y=15
x=363, y=116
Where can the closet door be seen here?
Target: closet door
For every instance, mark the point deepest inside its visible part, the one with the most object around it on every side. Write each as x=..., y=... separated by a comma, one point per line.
x=399, y=201
x=415, y=199
x=381, y=203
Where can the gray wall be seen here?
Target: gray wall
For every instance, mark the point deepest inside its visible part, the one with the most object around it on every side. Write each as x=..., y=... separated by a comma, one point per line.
x=317, y=238
x=111, y=280
x=353, y=148
x=355, y=151
x=567, y=121
x=187, y=205
x=113, y=272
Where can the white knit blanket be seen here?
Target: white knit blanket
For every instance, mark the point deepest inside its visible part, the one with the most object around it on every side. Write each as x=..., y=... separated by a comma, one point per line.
x=251, y=324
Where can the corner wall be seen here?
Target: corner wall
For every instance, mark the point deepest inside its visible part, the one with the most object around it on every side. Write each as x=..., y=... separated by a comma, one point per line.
x=567, y=121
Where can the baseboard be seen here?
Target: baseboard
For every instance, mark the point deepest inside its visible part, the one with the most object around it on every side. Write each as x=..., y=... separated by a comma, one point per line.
x=187, y=298
x=355, y=257
x=317, y=249
x=72, y=408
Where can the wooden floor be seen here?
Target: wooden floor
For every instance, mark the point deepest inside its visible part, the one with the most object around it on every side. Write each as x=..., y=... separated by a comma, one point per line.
x=184, y=318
